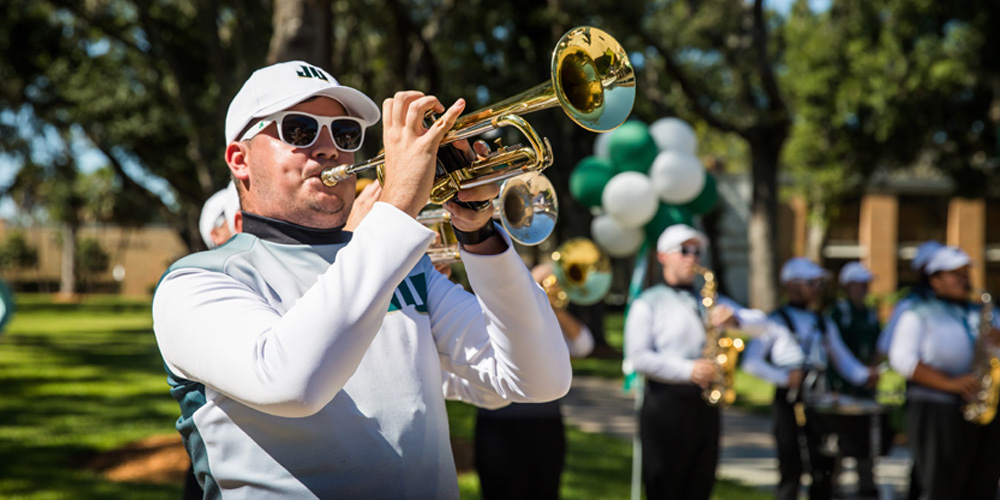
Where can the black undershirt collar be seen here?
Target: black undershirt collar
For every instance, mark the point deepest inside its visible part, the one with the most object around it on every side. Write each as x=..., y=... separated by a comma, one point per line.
x=278, y=231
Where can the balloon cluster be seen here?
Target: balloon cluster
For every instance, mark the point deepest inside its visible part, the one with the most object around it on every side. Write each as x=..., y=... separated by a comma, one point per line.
x=643, y=179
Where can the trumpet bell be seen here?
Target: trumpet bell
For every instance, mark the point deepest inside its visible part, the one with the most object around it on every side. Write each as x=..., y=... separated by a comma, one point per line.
x=528, y=208
x=583, y=270
x=593, y=79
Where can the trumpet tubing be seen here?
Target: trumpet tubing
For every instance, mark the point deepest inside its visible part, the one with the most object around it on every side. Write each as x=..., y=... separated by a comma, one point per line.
x=591, y=79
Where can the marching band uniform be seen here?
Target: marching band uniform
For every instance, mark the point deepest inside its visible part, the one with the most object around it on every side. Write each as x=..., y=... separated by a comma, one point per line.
x=859, y=328
x=953, y=458
x=520, y=449
x=664, y=336
x=801, y=339
x=918, y=293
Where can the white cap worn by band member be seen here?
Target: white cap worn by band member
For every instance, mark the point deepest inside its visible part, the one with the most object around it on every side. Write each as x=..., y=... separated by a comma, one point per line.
x=947, y=259
x=800, y=269
x=855, y=272
x=280, y=86
x=925, y=251
x=220, y=208
x=673, y=237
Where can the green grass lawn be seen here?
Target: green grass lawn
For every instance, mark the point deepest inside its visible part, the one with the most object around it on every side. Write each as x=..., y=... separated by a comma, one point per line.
x=81, y=379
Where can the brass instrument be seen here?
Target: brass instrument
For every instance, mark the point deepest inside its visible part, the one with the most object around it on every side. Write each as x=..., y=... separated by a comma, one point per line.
x=527, y=208
x=719, y=348
x=986, y=368
x=582, y=270
x=591, y=79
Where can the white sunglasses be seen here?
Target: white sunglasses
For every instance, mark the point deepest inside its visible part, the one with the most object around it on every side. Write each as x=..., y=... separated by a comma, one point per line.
x=300, y=129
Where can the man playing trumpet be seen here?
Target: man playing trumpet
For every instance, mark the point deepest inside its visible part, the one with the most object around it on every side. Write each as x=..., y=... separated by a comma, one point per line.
x=665, y=336
x=312, y=362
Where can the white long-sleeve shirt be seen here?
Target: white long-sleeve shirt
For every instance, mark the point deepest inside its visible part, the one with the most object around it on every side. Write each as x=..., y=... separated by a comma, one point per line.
x=789, y=346
x=320, y=370
x=665, y=332
x=937, y=333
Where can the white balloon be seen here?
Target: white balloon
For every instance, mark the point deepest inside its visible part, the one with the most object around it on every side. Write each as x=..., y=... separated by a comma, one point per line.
x=674, y=134
x=629, y=197
x=614, y=238
x=677, y=177
x=602, y=144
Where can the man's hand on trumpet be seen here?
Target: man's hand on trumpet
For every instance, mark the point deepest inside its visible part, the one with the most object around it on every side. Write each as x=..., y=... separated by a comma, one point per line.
x=411, y=148
x=470, y=220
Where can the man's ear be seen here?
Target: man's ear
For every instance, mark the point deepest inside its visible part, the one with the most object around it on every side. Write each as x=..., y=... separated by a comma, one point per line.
x=236, y=158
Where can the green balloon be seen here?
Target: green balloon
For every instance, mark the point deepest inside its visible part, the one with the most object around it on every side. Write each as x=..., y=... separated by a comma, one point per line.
x=586, y=183
x=705, y=201
x=631, y=147
x=666, y=216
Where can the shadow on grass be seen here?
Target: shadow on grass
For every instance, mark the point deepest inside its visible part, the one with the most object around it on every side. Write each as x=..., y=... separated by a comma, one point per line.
x=71, y=390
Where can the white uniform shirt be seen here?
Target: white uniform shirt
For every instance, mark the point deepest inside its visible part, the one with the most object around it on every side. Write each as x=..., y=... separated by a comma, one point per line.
x=320, y=370
x=937, y=333
x=773, y=355
x=665, y=332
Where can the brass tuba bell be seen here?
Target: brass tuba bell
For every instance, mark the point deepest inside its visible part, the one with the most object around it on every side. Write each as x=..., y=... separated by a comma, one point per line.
x=582, y=270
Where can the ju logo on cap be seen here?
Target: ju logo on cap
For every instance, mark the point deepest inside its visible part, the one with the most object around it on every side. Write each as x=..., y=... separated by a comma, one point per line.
x=311, y=72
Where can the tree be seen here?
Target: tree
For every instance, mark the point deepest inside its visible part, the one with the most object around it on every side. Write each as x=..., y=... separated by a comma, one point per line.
x=881, y=85
x=147, y=84
x=17, y=254
x=717, y=62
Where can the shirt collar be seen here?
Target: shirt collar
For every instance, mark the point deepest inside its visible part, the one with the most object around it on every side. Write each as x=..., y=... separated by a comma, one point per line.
x=279, y=231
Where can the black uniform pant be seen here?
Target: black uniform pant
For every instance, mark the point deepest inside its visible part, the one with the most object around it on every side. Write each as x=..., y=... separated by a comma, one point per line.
x=799, y=447
x=520, y=458
x=680, y=442
x=952, y=457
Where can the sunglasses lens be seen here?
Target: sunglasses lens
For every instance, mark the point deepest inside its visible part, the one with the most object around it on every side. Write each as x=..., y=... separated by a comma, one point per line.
x=299, y=130
x=347, y=134
x=690, y=251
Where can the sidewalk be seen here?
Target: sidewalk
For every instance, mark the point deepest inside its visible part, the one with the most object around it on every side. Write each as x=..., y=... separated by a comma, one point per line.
x=748, y=453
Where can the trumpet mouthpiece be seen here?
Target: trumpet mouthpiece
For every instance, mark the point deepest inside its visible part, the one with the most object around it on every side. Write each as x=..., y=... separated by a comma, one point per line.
x=331, y=176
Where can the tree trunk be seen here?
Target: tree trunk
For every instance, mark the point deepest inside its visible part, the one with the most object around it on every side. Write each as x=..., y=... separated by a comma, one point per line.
x=816, y=232
x=302, y=30
x=67, y=277
x=762, y=230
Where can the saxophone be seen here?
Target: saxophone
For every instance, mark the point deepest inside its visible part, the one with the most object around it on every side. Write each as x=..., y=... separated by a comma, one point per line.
x=721, y=349
x=986, y=369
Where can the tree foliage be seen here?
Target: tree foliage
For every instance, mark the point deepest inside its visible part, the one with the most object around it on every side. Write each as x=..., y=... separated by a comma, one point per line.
x=144, y=83
x=885, y=84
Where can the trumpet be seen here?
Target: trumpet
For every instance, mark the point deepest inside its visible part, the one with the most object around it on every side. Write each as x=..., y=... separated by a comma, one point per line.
x=527, y=208
x=591, y=79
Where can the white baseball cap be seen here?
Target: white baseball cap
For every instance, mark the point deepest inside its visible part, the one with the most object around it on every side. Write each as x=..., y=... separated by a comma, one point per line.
x=947, y=259
x=855, y=272
x=673, y=237
x=925, y=251
x=801, y=268
x=220, y=207
x=280, y=86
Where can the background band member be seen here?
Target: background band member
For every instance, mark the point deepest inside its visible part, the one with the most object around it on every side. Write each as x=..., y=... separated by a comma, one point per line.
x=917, y=293
x=313, y=362
x=521, y=448
x=794, y=355
x=220, y=216
x=933, y=347
x=859, y=329
x=664, y=339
